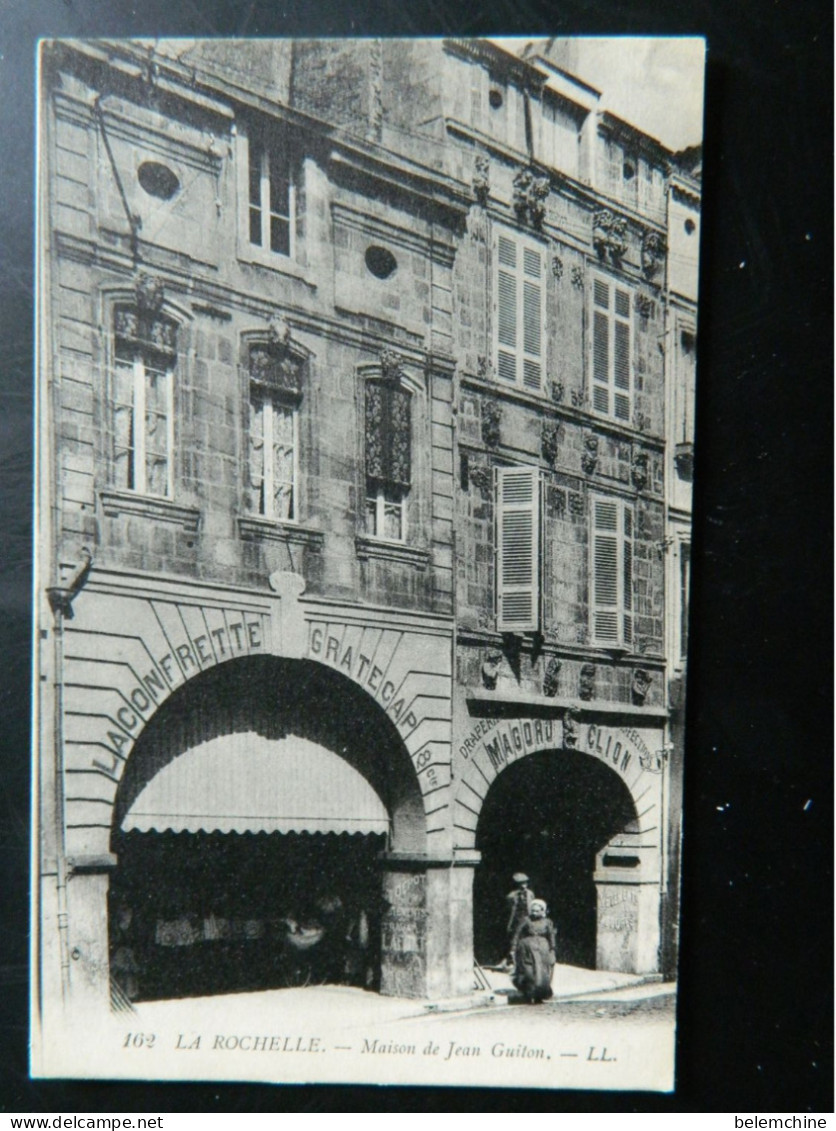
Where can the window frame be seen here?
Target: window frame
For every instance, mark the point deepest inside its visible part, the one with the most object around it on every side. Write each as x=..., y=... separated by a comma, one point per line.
x=381, y=487
x=522, y=242
x=273, y=398
x=614, y=319
x=623, y=640
x=271, y=140
x=139, y=367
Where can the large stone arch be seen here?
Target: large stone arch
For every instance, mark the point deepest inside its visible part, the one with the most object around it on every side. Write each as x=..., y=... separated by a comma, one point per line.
x=132, y=643
x=129, y=648
x=274, y=697
x=627, y=869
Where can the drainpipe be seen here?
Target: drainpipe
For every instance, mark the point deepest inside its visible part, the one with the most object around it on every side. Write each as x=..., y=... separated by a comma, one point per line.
x=60, y=600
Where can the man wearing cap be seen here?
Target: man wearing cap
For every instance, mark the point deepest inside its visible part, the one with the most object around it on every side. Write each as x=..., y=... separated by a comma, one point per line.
x=519, y=904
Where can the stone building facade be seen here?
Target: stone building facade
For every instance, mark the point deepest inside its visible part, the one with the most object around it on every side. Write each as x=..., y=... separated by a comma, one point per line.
x=354, y=444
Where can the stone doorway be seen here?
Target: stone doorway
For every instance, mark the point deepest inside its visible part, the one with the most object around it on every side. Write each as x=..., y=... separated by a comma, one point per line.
x=552, y=815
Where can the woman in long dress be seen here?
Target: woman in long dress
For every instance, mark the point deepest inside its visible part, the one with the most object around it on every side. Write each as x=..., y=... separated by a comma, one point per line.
x=533, y=949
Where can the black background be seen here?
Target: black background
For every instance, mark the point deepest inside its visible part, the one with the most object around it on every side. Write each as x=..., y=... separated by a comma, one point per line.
x=755, y=1010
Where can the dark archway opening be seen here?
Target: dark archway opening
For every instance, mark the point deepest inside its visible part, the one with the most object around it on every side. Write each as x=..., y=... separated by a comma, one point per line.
x=547, y=815
x=195, y=914
x=200, y=907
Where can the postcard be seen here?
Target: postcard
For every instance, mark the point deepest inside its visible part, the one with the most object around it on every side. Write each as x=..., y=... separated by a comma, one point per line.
x=365, y=406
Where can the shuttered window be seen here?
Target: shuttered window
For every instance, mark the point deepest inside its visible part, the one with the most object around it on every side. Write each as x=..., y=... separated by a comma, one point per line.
x=519, y=311
x=612, y=377
x=518, y=549
x=611, y=572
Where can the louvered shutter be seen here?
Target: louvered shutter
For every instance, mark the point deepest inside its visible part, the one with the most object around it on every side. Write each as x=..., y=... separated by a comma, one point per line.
x=627, y=574
x=611, y=350
x=612, y=572
x=532, y=316
x=601, y=347
x=506, y=291
x=621, y=355
x=519, y=312
x=605, y=581
x=518, y=544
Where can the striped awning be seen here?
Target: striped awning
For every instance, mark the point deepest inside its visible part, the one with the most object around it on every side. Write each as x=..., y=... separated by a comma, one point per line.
x=249, y=783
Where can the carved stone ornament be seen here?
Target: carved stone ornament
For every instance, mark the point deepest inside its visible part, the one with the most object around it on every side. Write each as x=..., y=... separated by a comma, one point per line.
x=586, y=685
x=644, y=305
x=639, y=471
x=609, y=235
x=391, y=364
x=482, y=366
x=557, y=267
x=576, y=507
x=549, y=440
x=491, y=417
x=571, y=728
x=577, y=277
x=530, y=194
x=654, y=249
x=481, y=178
x=482, y=479
x=550, y=678
x=490, y=669
x=640, y=686
x=589, y=455
x=278, y=332
x=150, y=294
x=558, y=391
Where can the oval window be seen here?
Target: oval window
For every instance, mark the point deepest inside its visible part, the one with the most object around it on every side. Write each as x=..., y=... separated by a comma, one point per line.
x=690, y=227
x=158, y=180
x=495, y=97
x=629, y=170
x=380, y=262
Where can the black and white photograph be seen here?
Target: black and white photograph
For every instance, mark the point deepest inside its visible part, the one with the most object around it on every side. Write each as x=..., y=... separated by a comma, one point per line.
x=365, y=392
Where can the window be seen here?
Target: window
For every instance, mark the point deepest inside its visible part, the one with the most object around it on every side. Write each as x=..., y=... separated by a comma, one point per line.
x=611, y=572
x=684, y=591
x=271, y=201
x=518, y=549
x=612, y=379
x=273, y=473
x=273, y=448
x=388, y=459
x=144, y=360
x=520, y=305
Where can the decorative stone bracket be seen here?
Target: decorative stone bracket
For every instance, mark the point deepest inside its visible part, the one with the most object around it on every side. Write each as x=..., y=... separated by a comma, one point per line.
x=491, y=417
x=654, y=250
x=609, y=235
x=530, y=194
x=589, y=455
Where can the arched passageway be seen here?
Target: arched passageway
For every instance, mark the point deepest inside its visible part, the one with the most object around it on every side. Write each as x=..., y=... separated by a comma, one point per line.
x=249, y=824
x=547, y=815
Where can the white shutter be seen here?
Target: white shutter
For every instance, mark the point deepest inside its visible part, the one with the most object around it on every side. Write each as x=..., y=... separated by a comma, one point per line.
x=532, y=318
x=611, y=568
x=611, y=350
x=518, y=545
x=520, y=295
x=506, y=292
x=601, y=346
x=605, y=580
